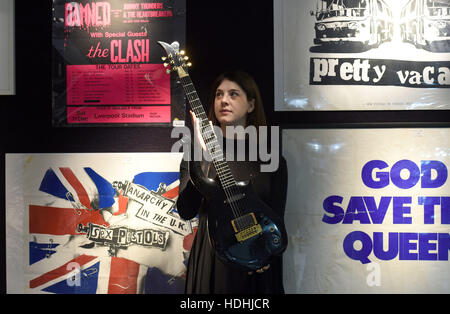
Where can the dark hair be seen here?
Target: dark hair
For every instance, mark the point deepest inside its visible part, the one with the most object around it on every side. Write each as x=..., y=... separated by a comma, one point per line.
x=257, y=117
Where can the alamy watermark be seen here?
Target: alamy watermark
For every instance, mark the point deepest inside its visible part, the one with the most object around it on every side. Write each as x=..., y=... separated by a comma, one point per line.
x=73, y=278
x=257, y=147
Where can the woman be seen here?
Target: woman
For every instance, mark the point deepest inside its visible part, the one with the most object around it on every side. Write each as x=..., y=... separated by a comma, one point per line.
x=236, y=102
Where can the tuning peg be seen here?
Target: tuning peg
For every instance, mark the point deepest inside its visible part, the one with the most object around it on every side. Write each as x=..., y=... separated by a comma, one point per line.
x=168, y=71
x=163, y=58
x=182, y=52
x=186, y=58
x=189, y=64
x=166, y=64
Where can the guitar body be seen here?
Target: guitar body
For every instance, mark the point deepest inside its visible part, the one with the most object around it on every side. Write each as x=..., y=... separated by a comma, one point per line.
x=250, y=240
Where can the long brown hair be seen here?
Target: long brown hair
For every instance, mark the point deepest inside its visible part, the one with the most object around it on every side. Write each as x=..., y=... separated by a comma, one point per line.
x=257, y=117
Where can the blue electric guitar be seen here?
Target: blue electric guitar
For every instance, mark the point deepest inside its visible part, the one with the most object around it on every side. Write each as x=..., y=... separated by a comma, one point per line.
x=243, y=230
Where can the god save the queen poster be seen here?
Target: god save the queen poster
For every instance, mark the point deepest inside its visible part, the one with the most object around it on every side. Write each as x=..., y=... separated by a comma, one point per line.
x=107, y=67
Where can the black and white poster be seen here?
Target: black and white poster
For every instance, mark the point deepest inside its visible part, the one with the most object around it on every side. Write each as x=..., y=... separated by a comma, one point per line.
x=362, y=54
x=107, y=67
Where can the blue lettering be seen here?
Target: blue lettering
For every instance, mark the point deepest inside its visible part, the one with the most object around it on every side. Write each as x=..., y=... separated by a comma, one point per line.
x=425, y=246
x=406, y=246
x=380, y=179
x=383, y=177
x=356, y=210
x=377, y=214
x=392, y=251
x=414, y=174
x=428, y=203
x=400, y=210
x=349, y=249
x=444, y=246
x=329, y=207
x=366, y=211
x=441, y=170
x=445, y=210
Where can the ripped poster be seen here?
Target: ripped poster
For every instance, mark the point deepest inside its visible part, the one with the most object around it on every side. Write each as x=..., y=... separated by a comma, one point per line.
x=107, y=67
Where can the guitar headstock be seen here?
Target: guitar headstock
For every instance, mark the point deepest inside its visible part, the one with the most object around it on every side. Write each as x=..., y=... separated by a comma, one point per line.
x=176, y=59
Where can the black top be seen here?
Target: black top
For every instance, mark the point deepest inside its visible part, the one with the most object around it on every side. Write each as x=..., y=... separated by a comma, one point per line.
x=206, y=272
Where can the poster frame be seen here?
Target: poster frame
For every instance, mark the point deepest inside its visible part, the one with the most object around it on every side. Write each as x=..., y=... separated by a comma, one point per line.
x=363, y=125
x=8, y=36
x=357, y=127
x=177, y=104
x=132, y=165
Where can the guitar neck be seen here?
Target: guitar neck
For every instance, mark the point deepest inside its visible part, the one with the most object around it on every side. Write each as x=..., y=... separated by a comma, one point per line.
x=209, y=137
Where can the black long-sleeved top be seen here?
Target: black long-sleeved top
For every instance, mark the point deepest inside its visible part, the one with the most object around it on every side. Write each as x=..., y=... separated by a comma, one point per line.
x=206, y=272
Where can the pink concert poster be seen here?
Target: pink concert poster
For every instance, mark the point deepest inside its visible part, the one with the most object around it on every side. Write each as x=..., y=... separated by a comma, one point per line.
x=107, y=63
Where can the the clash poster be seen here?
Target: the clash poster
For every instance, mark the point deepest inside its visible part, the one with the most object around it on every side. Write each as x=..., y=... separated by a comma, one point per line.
x=107, y=67
x=362, y=54
x=95, y=223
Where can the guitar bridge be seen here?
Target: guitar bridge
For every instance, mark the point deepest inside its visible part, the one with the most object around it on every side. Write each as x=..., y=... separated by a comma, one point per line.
x=246, y=227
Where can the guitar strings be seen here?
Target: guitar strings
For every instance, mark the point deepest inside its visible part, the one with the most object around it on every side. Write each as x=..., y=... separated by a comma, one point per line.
x=225, y=177
x=222, y=170
x=199, y=111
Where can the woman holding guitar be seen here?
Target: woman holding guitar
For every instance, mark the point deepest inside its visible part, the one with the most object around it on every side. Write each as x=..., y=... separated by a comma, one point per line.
x=236, y=102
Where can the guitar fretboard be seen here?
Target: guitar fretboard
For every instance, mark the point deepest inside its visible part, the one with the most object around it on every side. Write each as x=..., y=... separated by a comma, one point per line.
x=209, y=137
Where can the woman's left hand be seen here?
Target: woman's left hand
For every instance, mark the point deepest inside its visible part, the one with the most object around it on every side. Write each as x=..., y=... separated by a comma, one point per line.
x=261, y=270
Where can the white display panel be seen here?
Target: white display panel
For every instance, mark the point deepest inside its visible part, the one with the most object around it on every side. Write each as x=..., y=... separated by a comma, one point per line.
x=361, y=55
x=368, y=210
x=7, y=80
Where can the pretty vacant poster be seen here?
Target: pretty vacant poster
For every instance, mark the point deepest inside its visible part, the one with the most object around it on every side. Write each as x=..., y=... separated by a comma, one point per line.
x=362, y=54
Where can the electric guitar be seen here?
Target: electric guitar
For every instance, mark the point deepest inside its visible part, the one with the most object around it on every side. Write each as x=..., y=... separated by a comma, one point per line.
x=243, y=230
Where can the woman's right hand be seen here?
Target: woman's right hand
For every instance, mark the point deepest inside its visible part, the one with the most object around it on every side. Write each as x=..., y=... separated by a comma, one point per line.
x=198, y=137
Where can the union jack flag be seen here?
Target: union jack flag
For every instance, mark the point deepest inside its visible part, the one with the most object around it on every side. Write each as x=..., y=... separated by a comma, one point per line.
x=64, y=260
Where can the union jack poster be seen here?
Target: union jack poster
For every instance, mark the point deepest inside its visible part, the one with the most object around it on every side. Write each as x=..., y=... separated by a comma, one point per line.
x=96, y=223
